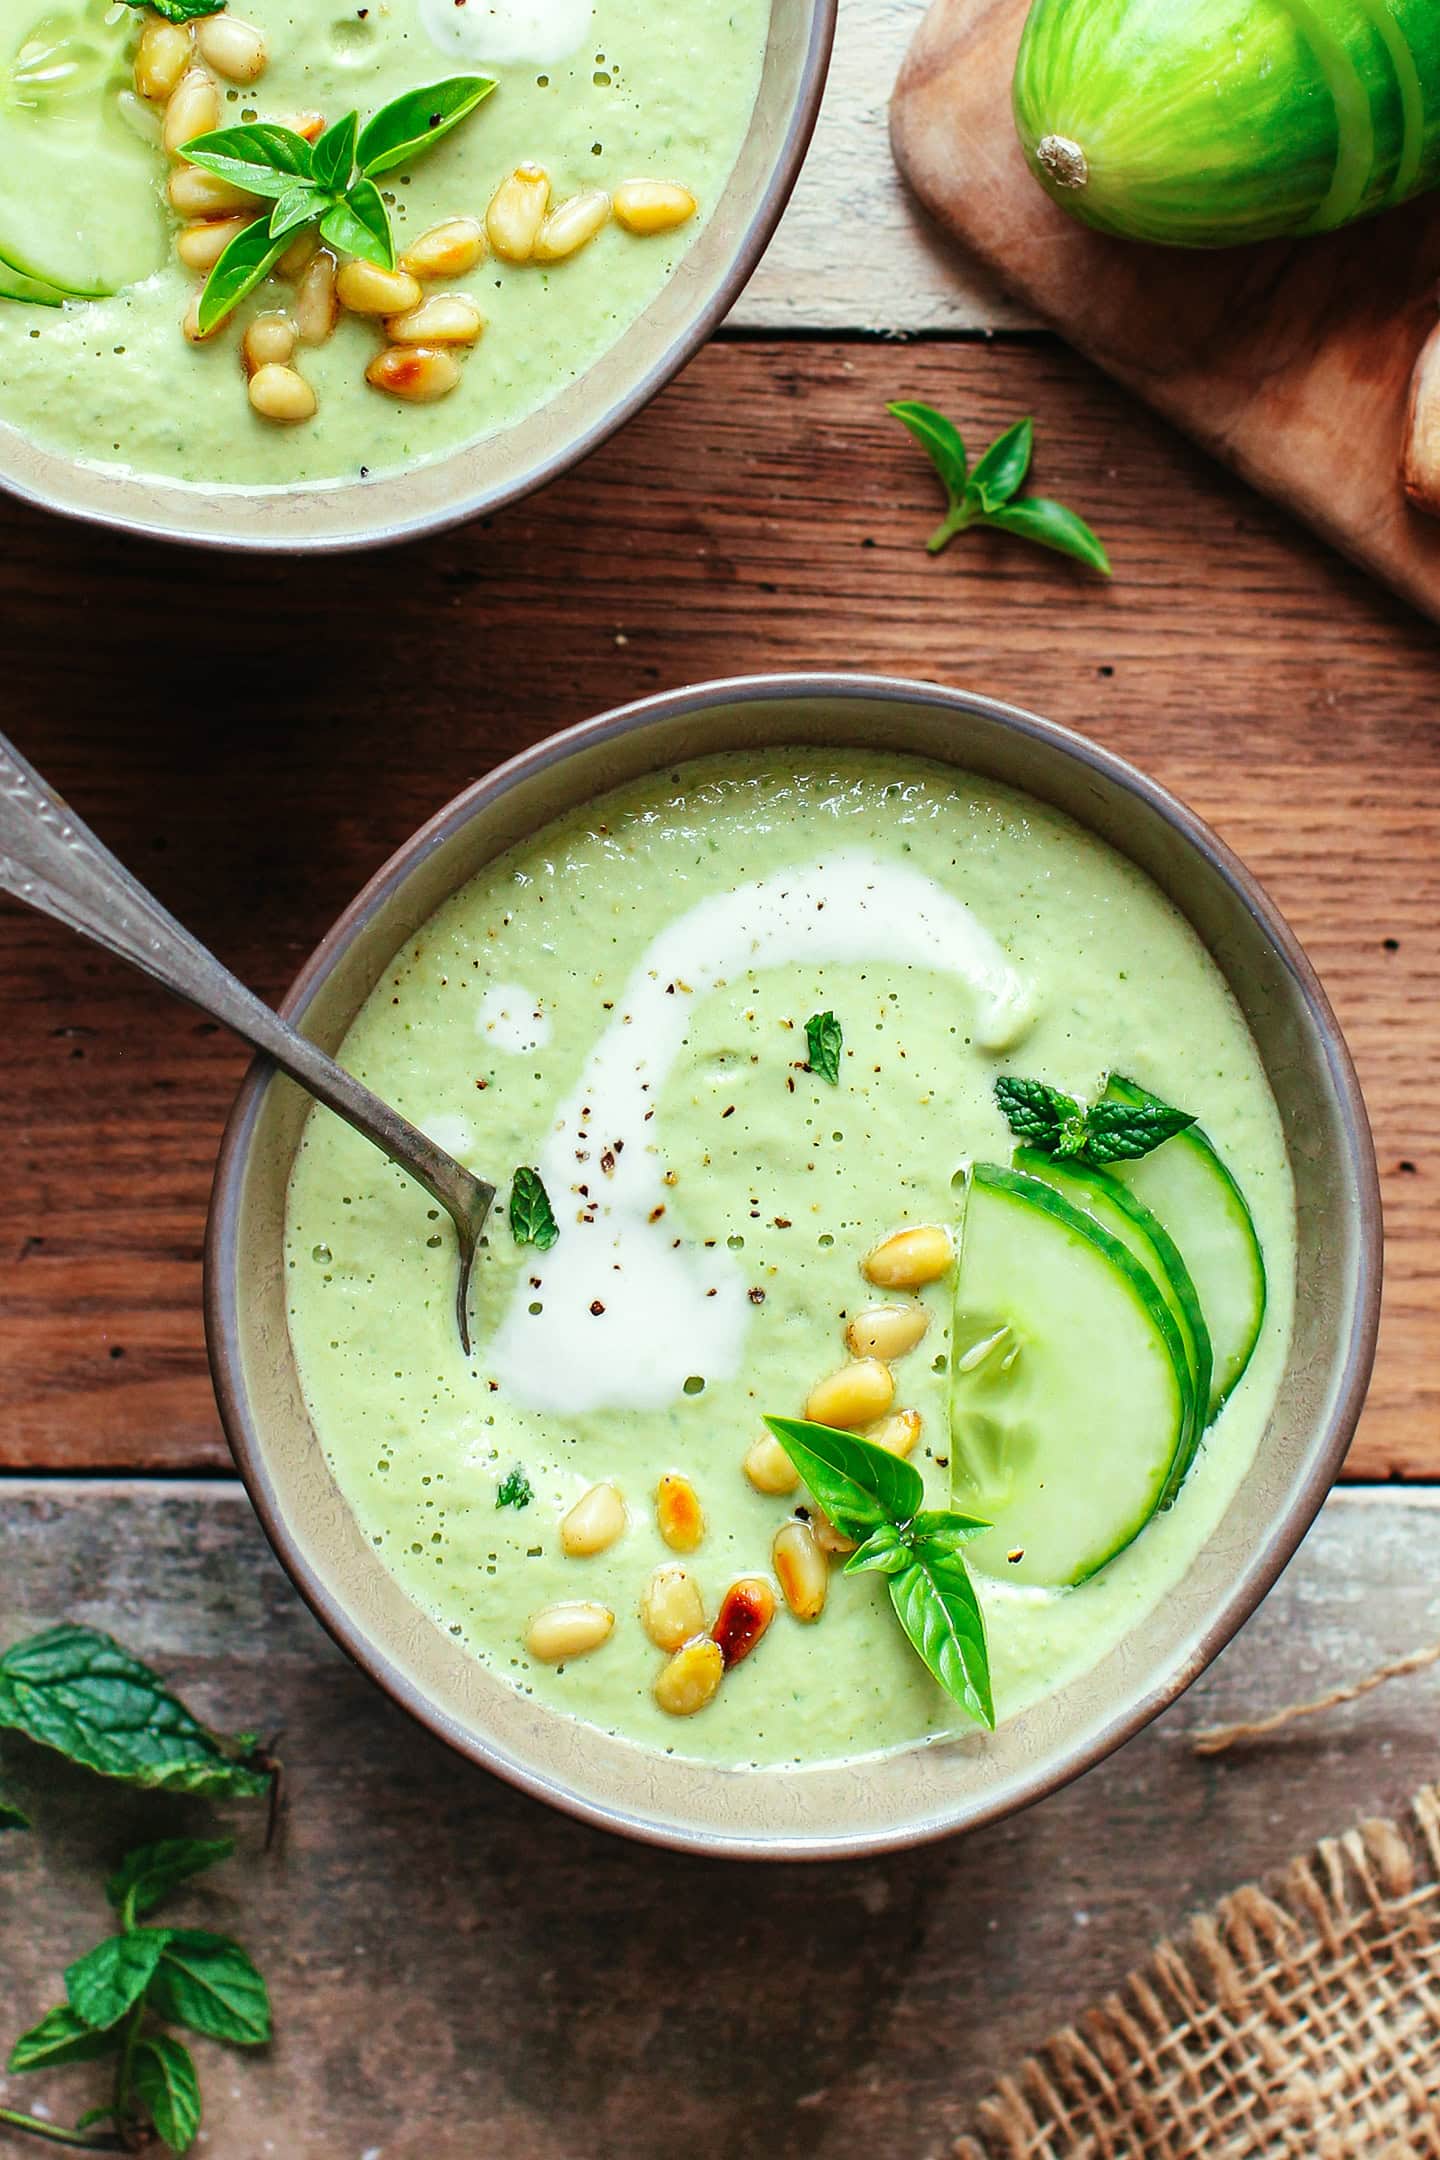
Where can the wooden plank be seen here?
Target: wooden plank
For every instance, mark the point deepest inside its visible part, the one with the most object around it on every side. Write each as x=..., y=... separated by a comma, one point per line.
x=254, y=737
x=456, y=1970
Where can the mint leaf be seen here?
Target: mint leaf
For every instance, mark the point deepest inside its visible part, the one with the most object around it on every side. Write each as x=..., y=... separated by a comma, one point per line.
x=180, y=11
x=409, y=125
x=860, y=1486
x=1036, y=1112
x=246, y=262
x=104, y=1984
x=942, y=443
x=150, y=1873
x=532, y=1221
x=360, y=225
x=60, y=2037
x=1118, y=1132
x=260, y=156
x=1107, y=1132
x=1004, y=466
x=823, y=1043
x=208, y=1983
x=935, y=1603
x=167, y=2087
x=515, y=1489
x=332, y=155
x=77, y=1691
x=1051, y=525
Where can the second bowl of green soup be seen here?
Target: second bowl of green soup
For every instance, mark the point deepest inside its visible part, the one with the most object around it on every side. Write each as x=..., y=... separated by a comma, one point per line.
x=932, y=1288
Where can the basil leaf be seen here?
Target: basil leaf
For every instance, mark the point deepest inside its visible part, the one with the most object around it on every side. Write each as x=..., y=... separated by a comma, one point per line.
x=884, y=1552
x=1051, y=525
x=303, y=204
x=167, y=2087
x=941, y=441
x=246, y=262
x=109, y=1979
x=824, y=1041
x=935, y=1603
x=260, y=156
x=1037, y=1113
x=946, y=1530
x=76, y=1690
x=1118, y=1132
x=60, y=2037
x=153, y=1871
x=515, y=1489
x=332, y=155
x=860, y=1486
x=11, y=1816
x=208, y=1983
x=181, y=11
x=1004, y=466
x=409, y=125
x=532, y=1220
x=360, y=225
x=95, y=2115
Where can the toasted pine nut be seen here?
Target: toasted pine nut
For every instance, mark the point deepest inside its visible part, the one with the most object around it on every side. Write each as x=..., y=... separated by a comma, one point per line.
x=746, y=1610
x=887, y=1331
x=517, y=212
x=195, y=193
x=566, y=1631
x=366, y=289
x=571, y=224
x=824, y=1532
x=672, y=1610
x=679, y=1513
x=802, y=1569
x=419, y=373
x=269, y=342
x=447, y=250
x=691, y=1679
x=854, y=1396
x=281, y=394
x=309, y=125
x=653, y=206
x=235, y=49
x=443, y=319
x=200, y=246
x=161, y=58
x=194, y=109
x=909, y=1258
x=769, y=1468
x=298, y=257
x=595, y=1521
x=898, y=1434
x=316, y=307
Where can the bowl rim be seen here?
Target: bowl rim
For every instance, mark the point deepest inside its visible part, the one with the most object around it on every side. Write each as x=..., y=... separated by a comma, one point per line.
x=1327, y=1447
x=482, y=501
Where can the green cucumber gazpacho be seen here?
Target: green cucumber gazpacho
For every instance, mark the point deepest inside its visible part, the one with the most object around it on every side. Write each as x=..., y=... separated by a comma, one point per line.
x=891, y=1278
x=313, y=245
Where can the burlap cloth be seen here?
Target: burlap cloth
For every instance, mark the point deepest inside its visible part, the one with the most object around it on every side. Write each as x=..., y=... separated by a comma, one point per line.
x=1298, y=2024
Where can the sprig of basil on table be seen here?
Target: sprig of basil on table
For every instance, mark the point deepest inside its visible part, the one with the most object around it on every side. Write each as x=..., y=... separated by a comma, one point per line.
x=988, y=494
x=1047, y=1119
x=878, y=1500
x=329, y=184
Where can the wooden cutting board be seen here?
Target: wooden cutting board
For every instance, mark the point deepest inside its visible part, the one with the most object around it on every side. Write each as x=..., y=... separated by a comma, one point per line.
x=1291, y=361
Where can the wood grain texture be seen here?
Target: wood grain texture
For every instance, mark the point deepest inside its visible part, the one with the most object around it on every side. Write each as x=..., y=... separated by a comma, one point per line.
x=458, y=1971
x=254, y=738
x=1290, y=362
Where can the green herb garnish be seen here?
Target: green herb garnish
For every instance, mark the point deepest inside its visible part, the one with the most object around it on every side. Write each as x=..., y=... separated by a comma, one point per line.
x=878, y=1499
x=180, y=11
x=824, y=1041
x=1055, y=1123
x=515, y=1489
x=987, y=496
x=532, y=1219
x=329, y=183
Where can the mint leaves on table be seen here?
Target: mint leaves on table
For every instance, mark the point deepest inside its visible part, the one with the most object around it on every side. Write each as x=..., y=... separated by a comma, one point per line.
x=824, y=1041
x=878, y=1499
x=515, y=1489
x=532, y=1219
x=989, y=495
x=329, y=183
x=1055, y=1123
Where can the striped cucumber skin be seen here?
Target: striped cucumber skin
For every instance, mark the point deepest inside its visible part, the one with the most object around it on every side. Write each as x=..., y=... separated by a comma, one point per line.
x=1208, y=123
x=18, y=285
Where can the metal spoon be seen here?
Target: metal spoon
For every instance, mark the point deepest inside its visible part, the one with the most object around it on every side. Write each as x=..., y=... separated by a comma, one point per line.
x=53, y=862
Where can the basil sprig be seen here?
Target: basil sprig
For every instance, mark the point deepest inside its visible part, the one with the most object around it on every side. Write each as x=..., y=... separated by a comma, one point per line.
x=1045, y=1118
x=329, y=183
x=987, y=495
x=180, y=11
x=878, y=1499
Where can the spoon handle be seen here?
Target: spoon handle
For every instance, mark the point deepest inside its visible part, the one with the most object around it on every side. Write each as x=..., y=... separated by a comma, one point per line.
x=53, y=862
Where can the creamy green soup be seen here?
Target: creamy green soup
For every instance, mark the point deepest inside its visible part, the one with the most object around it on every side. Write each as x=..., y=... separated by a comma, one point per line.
x=595, y=95
x=621, y=1002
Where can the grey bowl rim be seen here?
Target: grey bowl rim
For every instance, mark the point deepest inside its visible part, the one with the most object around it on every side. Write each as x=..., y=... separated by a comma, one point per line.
x=1328, y=1446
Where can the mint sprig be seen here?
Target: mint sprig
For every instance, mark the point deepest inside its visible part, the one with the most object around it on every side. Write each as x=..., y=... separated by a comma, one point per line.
x=329, y=184
x=824, y=1040
x=514, y=1489
x=1047, y=1119
x=988, y=494
x=532, y=1219
x=878, y=1499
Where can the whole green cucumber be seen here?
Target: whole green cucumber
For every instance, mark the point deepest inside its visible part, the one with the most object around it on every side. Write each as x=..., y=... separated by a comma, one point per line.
x=1205, y=123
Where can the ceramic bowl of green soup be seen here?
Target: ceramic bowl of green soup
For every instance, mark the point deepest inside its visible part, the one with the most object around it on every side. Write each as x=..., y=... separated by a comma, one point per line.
x=932, y=1283
x=284, y=278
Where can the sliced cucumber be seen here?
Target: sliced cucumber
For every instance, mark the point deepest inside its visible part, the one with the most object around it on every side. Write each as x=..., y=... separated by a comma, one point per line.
x=14, y=285
x=1185, y=1183
x=1124, y=1214
x=1070, y=1393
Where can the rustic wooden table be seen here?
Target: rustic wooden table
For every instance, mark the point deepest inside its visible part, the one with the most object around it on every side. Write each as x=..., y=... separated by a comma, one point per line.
x=458, y=1971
